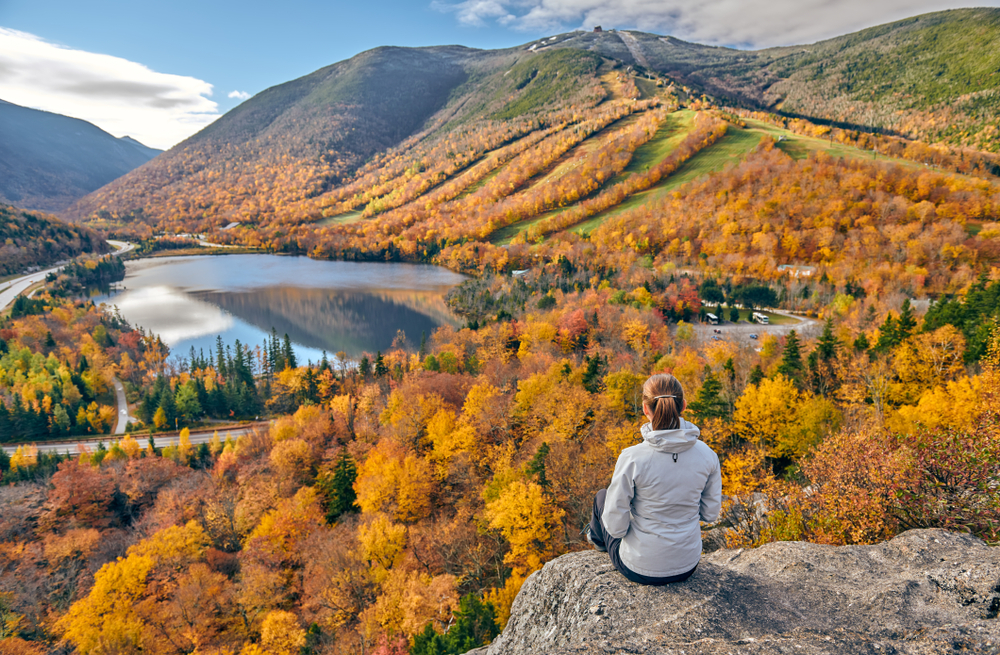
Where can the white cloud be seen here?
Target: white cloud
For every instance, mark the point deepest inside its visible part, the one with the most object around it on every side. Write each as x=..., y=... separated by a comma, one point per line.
x=239, y=95
x=119, y=96
x=746, y=23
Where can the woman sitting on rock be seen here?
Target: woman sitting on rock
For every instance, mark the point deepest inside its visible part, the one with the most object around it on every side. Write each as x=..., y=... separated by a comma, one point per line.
x=647, y=519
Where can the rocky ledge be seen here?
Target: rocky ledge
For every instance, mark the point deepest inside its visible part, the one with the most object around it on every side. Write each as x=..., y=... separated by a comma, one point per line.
x=926, y=591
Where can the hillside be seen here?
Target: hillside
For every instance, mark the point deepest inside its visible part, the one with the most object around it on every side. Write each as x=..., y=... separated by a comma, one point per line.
x=932, y=77
x=34, y=239
x=431, y=140
x=48, y=161
x=295, y=149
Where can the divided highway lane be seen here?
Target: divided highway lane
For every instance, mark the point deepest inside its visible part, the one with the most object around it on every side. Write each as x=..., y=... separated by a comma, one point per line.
x=161, y=441
x=9, y=291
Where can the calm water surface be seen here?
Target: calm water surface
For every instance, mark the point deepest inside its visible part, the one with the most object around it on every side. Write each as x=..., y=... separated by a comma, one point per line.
x=321, y=305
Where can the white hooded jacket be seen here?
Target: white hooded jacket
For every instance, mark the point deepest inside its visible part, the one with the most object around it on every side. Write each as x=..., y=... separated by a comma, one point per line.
x=659, y=491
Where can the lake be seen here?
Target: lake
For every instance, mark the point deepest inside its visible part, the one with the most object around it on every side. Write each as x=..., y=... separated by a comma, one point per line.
x=322, y=305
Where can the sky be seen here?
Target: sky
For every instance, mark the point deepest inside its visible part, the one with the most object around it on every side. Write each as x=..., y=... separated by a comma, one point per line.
x=160, y=71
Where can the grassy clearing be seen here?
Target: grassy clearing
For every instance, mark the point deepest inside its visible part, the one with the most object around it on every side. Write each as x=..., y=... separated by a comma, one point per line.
x=729, y=150
x=341, y=219
x=798, y=146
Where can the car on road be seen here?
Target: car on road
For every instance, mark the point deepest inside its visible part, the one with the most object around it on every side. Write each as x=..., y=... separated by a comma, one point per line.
x=717, y=331
x=753, y=336
x=716, y=337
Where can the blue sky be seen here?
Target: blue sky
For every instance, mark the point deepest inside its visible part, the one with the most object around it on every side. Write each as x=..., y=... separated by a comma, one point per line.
x=159, y=71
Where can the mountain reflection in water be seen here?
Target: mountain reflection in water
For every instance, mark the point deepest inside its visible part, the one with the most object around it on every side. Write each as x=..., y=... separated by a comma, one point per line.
x=331, y=306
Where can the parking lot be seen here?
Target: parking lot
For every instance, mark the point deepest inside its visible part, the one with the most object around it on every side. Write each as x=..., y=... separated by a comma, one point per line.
x=744, y=332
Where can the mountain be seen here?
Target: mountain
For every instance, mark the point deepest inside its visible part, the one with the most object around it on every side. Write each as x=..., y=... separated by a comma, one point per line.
x=434, y=140
x=48, y=161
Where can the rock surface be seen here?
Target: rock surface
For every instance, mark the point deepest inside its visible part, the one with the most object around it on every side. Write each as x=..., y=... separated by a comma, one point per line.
x=926, y=591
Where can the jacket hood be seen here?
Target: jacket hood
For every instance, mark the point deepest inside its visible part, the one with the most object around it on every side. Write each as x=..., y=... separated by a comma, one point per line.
x=671, y=441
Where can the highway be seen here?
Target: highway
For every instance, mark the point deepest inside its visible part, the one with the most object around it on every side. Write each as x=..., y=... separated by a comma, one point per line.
x=90, y=445
x=9, y=291
x=122, y=407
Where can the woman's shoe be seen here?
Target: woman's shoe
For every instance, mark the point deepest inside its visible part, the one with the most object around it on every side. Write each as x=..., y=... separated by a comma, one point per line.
x=590, y=538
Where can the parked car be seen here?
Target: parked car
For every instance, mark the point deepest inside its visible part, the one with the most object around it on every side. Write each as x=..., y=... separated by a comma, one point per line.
x=753, y=336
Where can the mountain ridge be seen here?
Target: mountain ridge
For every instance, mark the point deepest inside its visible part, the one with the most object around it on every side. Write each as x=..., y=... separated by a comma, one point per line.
x=328, y=151
x=48, y=160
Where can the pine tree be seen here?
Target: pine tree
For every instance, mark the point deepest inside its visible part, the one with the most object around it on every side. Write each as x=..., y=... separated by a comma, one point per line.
x=827, y=344
x=730, y=370
x=791, y=357
x=537, y=465
x=288, y=353
x=907, y=324
x=380, y=367
x=756, y=375
x=888, y=337
x=708, y=402
x=337, y=487
x=861, y=343
x=594, y=372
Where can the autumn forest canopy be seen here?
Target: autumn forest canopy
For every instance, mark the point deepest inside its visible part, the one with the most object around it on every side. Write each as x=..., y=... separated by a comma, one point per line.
x=604, y=193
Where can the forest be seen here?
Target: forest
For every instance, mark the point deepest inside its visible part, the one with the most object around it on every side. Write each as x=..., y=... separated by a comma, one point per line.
x=397, y=507
x=33, y=239
x=396, y=504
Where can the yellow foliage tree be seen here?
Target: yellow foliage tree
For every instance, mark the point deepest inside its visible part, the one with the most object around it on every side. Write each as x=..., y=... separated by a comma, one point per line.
x=956, y=404
x=382, y=543
x=528, y=520
x=108, y=620
x=24, y=457
x=409, y=600
x=395, y=481
x=281, y=633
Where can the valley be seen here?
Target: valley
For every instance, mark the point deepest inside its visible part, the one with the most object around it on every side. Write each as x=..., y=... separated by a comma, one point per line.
x=436, y=280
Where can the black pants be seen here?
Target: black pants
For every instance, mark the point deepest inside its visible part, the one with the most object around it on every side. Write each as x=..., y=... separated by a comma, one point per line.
x=601, y=537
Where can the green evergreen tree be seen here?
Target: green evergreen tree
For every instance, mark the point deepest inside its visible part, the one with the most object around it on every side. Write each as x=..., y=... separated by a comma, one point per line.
x=537, y=465
x=475, y=625
x=594, y=372
x=791, y=358
x=288, y=353
x=337, y=487
x=827, y=344
x=907, y=323
x=730, y=370
x=708, y=402
x=861, y=343
x=734, y=315
x=365, y=367
x=380, y=367
x=756, y=375
x=888, y=336
x=186, y=401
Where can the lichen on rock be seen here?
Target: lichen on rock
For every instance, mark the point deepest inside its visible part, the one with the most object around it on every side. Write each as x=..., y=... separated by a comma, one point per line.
x=925, y=591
